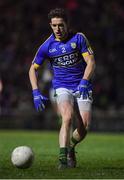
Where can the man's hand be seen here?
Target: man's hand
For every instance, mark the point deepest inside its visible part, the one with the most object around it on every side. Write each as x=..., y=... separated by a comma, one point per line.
x=39, y=100
x=84, y=88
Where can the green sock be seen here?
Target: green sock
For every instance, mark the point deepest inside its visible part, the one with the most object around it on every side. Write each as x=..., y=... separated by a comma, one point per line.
x=63, y=155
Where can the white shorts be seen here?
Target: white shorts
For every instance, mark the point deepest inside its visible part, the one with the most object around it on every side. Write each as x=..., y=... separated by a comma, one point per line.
x=63, y=94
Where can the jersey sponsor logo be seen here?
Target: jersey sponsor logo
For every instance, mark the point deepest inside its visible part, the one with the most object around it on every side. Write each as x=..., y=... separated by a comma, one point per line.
x=52, y=50
x=67, y=60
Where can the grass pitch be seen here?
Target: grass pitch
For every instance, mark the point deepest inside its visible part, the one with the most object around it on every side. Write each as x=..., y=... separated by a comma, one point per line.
x=100, y=156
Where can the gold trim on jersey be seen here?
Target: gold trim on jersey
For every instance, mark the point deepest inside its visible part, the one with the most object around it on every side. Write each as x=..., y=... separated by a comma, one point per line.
x=57, y=39
x=87, y=42
x=85, y=54
x=36, y=66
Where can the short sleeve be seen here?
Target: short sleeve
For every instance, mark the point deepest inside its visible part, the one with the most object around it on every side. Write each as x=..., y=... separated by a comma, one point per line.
x=84, y=45
x=40, y=55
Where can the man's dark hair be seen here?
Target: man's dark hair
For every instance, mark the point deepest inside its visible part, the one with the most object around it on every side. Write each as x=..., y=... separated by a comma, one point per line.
x=59, y=13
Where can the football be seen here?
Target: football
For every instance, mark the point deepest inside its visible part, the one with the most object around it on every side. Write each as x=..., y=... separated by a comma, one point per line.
x=22, y=157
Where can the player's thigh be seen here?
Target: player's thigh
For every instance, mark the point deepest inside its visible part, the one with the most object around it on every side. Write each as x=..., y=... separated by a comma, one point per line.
x=65, y=102
x=85, y=109
x=65, y=110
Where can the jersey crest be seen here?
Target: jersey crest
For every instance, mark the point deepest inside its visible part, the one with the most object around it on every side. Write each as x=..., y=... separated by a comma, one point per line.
x=73, y=45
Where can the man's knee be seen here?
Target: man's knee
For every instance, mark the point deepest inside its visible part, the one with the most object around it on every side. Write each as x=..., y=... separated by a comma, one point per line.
x=66, y=112
x=67, y=118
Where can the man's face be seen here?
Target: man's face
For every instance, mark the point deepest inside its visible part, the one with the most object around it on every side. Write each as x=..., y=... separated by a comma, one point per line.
x=59, y=28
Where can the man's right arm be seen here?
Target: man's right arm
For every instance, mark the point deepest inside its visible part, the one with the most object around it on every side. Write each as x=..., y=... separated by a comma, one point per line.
x=39, y=99
x=33, y=77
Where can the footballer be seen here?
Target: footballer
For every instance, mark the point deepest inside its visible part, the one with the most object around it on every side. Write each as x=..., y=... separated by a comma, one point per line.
x=73, y=65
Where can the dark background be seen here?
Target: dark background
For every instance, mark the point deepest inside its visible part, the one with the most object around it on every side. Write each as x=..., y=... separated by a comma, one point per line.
x=24, y=26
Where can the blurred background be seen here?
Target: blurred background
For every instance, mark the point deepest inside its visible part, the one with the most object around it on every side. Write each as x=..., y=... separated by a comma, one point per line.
x=24, y=26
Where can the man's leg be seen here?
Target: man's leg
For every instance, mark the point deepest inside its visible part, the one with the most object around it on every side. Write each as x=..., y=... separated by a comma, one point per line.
x=65, y=108
x=66, y=111
x=80, y=132
x=83, y=117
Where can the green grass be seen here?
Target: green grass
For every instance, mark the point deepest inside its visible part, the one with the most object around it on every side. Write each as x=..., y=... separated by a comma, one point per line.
x=100, y=156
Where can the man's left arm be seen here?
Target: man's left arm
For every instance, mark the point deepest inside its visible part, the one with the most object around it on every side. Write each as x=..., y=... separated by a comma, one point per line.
x=90, y=66
x=85, y=86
